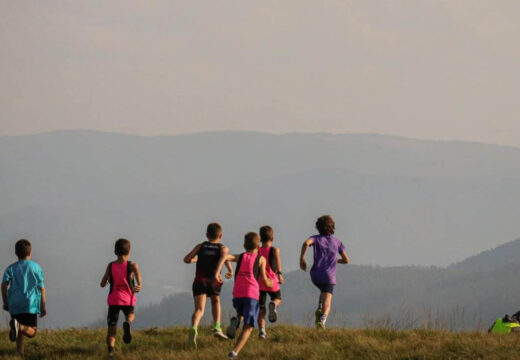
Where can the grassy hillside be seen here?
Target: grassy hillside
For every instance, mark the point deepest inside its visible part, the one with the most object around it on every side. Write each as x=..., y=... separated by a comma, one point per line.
x=284, y=342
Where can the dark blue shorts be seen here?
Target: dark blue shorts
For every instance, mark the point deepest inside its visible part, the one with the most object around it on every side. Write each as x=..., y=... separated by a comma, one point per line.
x=247, y=308
x=325, y=288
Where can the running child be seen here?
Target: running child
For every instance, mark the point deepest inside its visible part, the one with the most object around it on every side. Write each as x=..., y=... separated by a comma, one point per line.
x=246, y=291
x=125, y=280
x=323, y=271
x=273, y=271
x=207, y=256
x=23, y=295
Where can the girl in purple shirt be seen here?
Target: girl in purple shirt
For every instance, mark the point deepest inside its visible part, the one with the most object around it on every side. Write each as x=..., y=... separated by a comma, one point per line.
x=327, y=248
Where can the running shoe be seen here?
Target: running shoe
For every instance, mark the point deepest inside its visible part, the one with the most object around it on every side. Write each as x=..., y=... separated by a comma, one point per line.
x=262, y=334
x=232, y=355
x=321, y=324
x=127, y=336
x=234, y=323
x=14, y=327
x=110, y=351
x=219, y=334
x=192, y=338
x=273, y=315
x=317, y=315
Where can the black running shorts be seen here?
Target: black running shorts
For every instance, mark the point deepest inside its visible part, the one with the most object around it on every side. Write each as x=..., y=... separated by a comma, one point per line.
x=113, y=313
x=274, y=295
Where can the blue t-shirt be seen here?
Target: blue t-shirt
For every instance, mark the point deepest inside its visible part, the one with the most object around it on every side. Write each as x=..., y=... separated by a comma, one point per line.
x=25, y=278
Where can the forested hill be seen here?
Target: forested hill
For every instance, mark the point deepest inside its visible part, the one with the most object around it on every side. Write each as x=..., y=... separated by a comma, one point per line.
x=456, y=297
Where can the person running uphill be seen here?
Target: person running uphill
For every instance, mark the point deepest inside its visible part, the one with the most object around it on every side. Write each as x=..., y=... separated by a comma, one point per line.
x=246, y=290
x=323, y=271
x=125, y=280
x=274, y=272
x=23, y=295
x=207, y=256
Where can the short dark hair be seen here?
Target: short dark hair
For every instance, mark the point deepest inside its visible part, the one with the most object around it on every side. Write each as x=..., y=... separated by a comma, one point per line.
x=325, y=225
x=251, y=241
x=213, y=231
x=22, y=248
x=266, y=233
x=122, y=247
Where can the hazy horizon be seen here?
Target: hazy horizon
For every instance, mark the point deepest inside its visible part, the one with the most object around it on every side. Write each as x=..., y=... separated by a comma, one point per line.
x=442, y=70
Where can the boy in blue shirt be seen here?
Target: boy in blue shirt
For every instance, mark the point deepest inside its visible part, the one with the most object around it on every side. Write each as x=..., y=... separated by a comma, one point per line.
x=23, y=295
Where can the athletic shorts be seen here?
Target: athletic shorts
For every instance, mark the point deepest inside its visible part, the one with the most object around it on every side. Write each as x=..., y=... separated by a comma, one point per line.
x=113, y=313
x=274, y=295
x=210, y=287
x=325, y=288
x=26, y=319
x=247, y=308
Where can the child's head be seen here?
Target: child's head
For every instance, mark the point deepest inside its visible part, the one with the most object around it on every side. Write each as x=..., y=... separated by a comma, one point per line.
x=214, y=231
x=22, y=249
x=122, y=247
x=266, y=234
x=325, y=225
x=251, y=241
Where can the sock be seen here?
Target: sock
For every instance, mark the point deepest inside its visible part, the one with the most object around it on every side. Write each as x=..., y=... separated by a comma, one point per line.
x=217, y=326
x=194, y=327
x=262, y=329
x=110, y=348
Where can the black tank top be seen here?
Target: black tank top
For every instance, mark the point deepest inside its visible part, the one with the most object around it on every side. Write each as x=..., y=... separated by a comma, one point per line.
x=207, y=260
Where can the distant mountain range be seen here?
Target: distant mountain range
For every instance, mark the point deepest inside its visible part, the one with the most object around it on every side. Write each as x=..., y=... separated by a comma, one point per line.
x=396, y=202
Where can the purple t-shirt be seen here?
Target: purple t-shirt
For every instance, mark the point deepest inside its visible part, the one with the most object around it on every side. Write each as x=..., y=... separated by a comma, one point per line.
x=326, y=250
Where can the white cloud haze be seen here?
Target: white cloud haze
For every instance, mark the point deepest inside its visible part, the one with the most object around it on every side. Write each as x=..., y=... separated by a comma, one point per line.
x=417, y=68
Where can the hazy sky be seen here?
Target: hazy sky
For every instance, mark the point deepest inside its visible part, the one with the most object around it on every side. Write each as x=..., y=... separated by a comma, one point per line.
x=445, y=69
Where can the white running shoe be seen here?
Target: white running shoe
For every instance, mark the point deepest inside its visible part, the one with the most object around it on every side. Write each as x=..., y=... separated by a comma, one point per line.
x=262, y=334
x=219, y=334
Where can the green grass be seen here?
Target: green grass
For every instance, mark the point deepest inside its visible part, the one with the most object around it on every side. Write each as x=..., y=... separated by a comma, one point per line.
x=284, y=342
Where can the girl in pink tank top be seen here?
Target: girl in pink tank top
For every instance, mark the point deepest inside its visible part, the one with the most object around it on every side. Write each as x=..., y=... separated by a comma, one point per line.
x=125, y=280
x=246, y=291
x=246, y=283
x=273, y=272
x=121, y=293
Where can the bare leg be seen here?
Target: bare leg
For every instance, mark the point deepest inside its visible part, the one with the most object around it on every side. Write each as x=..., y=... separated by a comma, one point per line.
x=326, y=299
x=111, y=336
x=200, y=304
x=130, y=318
x=242, y=339
x=215, y=308
x=277, y=302
x=28, y=331
x=20, y=344
x=261, y=318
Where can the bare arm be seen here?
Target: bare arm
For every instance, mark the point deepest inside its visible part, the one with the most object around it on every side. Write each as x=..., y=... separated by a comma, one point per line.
x=229, y=268
x=5, y=286
x=268, y=282
x=278, y=261
x=191, y=257
x=305, y=246
x=344, y=258
x=138, y=278
x=224, y=259
x=43, y=305
x=106, y=277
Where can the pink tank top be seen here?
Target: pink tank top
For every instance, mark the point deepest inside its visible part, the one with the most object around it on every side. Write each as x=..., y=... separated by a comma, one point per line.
x=246, y=286
x=264, y=251
x=120, y=291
